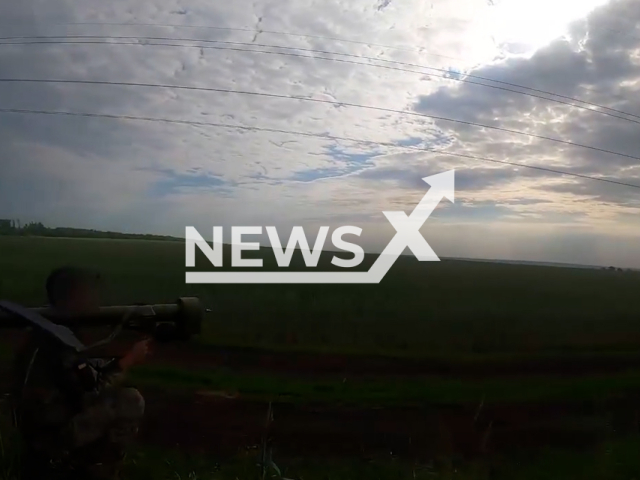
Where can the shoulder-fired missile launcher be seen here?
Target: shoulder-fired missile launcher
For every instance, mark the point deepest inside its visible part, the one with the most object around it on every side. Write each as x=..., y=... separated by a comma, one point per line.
x=176, y=321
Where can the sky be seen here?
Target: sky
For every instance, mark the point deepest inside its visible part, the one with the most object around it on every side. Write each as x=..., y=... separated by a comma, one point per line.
x=373, y=73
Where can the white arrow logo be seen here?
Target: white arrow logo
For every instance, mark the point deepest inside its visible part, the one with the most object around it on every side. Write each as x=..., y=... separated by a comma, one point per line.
x=407, y=235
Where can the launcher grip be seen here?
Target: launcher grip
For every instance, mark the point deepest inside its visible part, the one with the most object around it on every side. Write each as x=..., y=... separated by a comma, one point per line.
x=170, y=321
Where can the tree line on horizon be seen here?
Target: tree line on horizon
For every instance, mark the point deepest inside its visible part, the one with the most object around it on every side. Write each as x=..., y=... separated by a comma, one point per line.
x=37, y=229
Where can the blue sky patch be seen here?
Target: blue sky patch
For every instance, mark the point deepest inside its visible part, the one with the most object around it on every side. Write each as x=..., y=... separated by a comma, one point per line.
x=195, y=179
x=454, y=74
x=409, y=142
x=436, y=138
x=472, y=211
x=348, y=163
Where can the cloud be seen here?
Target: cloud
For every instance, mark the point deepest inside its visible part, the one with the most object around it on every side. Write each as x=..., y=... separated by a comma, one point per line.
x=599, y=69
x=122, y=174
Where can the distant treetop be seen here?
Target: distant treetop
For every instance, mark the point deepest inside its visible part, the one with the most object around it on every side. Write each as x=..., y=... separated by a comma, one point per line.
x=12, y=227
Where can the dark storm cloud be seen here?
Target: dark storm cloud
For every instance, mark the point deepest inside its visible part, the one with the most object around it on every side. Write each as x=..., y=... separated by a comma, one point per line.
x=593, y=65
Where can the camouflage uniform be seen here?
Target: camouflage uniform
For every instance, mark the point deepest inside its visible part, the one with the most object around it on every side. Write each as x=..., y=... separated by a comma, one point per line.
x=71, y=430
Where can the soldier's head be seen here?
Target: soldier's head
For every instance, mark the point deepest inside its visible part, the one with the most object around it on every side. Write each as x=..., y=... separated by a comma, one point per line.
x=73, y=290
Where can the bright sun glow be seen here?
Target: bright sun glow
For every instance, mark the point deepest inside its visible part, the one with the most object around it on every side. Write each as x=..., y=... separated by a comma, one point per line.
x=532, y=24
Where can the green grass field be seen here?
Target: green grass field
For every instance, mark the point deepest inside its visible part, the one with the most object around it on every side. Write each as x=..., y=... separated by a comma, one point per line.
x=444, y=308
x=464, y=312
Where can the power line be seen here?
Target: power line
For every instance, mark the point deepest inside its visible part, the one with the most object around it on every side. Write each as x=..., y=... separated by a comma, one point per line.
x=257, y=31
x=313, y=135
x=254, y=31
x=315, y=100
x=445, y=71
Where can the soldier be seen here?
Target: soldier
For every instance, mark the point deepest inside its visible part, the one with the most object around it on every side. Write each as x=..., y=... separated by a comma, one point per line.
x=74, y=414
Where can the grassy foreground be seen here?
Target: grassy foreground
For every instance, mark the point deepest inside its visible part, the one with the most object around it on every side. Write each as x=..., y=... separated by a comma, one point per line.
x=617, y=460
x=612, y=460
x=458, y=310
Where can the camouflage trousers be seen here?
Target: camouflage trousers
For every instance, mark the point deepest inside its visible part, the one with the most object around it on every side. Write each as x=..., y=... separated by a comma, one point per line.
x=116, y=414
x=96, y=438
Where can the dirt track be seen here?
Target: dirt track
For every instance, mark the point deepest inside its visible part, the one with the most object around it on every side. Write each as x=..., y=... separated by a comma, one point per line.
x=221, y=427
x=208, y=423
x=256, y=360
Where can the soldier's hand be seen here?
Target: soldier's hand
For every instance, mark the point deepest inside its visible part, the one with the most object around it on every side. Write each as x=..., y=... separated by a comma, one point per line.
x=137, y=354
x=141, y=350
